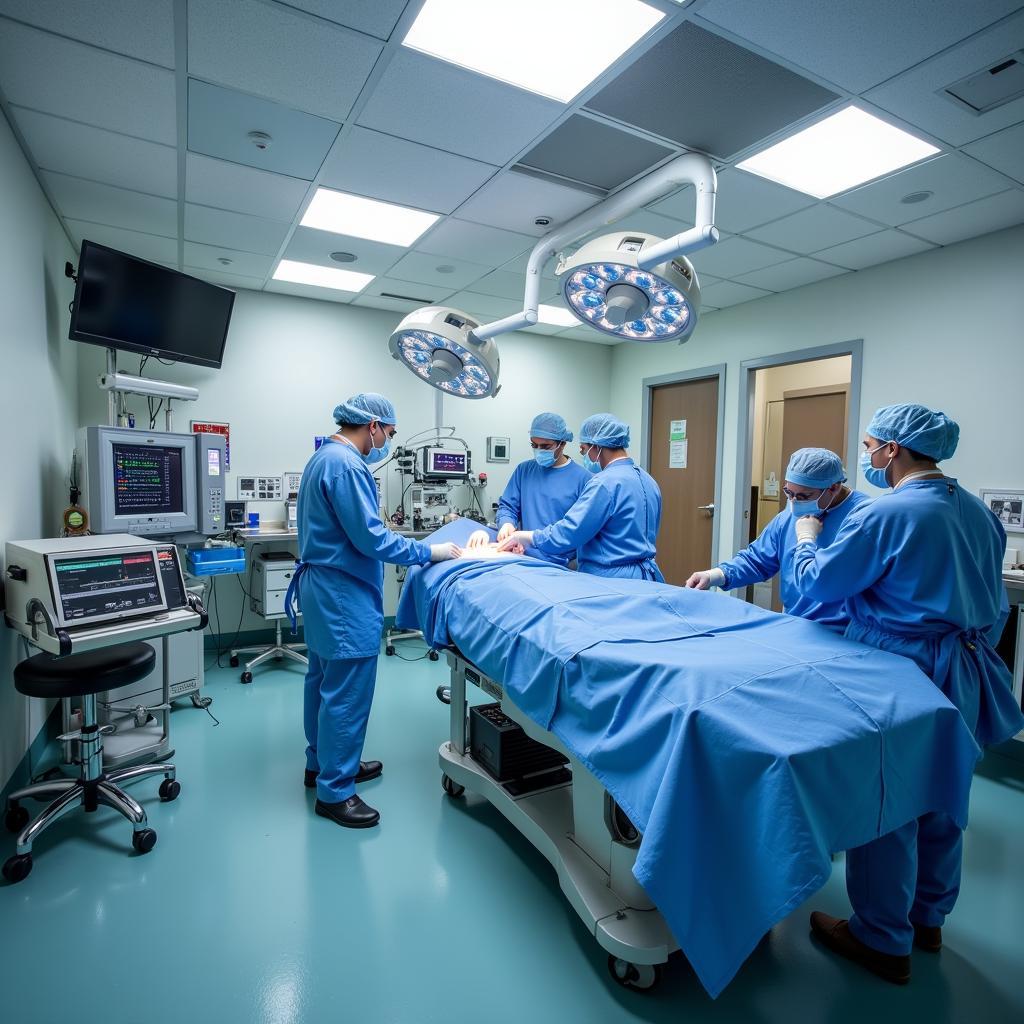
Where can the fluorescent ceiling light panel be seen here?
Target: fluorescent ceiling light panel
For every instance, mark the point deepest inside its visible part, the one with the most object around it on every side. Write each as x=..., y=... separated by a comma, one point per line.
x=552, y=47
x=346, y=214
x=321, y=277
x=836, y=154
x=556, y=315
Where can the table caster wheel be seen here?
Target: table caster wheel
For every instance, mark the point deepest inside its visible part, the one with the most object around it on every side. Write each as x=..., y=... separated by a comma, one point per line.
x=16, y=818
x=246, y=677
x=144, y=840
x=451, y=787
x=444, y=694
x=389, y=651
x=636, y=976
x=432, y=655
x=169, y=790
x=17, y=868
x=233, y=662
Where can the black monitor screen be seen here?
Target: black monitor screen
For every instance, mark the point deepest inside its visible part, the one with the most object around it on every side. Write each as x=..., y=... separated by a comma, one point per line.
x=127, y=303
x=95, y=586
x=147, y=480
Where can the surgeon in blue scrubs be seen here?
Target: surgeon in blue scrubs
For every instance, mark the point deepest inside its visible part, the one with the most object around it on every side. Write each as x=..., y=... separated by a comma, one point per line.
x=614, y=523
x=343, y=545
x=920, y=569
x=816, y=486
x=541, y=490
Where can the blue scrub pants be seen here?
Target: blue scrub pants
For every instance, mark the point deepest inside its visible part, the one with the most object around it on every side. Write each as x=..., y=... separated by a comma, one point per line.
x=338, y=696
x=907, y=877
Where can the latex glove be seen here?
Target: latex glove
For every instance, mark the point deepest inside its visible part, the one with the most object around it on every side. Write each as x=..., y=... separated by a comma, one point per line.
x=478, y=539
x=706, y=578
x=507, y=529
x=444, y=552
x=808, y=528
x=516, y=538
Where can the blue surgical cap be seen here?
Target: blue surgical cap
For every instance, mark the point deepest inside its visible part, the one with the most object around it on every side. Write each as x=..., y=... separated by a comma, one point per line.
x=604, y=430
x=365, y=408
x=932, y=434
x=551, y=426
x=815, y=467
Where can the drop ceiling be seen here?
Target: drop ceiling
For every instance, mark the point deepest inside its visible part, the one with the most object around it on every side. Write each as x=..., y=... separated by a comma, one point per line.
x=144, y=140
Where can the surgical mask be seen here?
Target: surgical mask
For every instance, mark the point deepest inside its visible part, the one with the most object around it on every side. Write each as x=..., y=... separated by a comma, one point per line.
x=589, y=465
x=545, y=457
x=376, y=454
x=809, y=506
x=873, y=474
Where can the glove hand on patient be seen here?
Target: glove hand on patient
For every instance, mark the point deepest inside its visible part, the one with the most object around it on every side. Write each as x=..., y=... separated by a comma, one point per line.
x=478, y=539
x=705, y=579
x=506, y=530
x=514, y=539
x=444, y=552
x=808, y=528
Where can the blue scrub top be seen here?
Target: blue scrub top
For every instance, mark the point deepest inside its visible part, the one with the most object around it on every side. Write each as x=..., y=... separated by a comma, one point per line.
x=772, y=553
x=920, y=569
x=612, y=525
x=536, y=497
x=343, y=544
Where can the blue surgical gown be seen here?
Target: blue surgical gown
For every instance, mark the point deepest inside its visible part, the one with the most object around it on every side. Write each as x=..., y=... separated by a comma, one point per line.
x=920, y=570
x=772, y=553
x=612, y=525
x=536, y=497
x=343, y=544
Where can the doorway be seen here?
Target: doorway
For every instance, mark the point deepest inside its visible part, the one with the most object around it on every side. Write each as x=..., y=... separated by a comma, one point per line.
x=682, y=438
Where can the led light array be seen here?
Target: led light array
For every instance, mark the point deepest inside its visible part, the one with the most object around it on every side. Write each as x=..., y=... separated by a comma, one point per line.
x=417, y=348
x=668, y=312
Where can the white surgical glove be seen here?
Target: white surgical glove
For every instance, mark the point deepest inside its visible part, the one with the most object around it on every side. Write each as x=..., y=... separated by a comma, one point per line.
x=507, y=529
x=706, y=578
x=478, y=539
x=520, y=538
x=808, y=528
x=444, y=552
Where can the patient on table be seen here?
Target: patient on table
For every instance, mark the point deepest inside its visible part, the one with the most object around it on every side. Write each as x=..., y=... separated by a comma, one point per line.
x=489, y=549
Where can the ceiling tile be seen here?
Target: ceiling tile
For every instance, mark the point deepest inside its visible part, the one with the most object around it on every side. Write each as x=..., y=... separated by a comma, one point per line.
x=103, y=204
x=475, y=242
x=595, y=153
x=954, y=180
x=212, y=182
x=246, y=264
x=695, y=88
x=855, y=45
x=307, y=63
x=977, y=218
x=503, y=284
x=444, y=106
x=791, y=274
x=219, y=121
x=405, y=295
x=306, y=291
x=233, y=281
x=92, y=86
x=483, y=306
x=1004, y=151
x=735, y=256
x=234, y=230
x=381, y=302
x=98, y=155
x=729, y=293
x=588, y=334
x=815, y=228
x=421, y=268
x=397, y=171
x=513, y=201
x=154, y=248
x=646, y=222
x=917, y=95
x=136, y=28
x=310, y=245
x=375, y=17
x=874, y=249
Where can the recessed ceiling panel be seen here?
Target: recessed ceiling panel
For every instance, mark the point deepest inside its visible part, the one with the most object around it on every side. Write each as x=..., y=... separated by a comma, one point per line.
x=815, y=228
x=211, y=257
x=248, y=130
x=735, y=256
x=729, y=293
x=243, y=189
x=475, y=242
x=375, y=17
x=308, y=245
x=595, y=153
x=87, y=200
x=978, y=218
x=791, y=274
x=234, y=230
x=440, y=272
x=154, y=248
x=699, y=90
x=504, y=284
x=308, y=291
x=1004, y=151
x=873, y=249
x=233, y=281
x=514, y=201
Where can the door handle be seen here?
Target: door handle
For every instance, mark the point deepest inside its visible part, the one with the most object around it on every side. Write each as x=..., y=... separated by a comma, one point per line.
x=710, y=509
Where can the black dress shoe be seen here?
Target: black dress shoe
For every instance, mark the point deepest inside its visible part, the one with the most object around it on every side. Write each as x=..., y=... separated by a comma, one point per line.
x=352, y=813
x=835, y=933
x=367, y=770
x=928, y=938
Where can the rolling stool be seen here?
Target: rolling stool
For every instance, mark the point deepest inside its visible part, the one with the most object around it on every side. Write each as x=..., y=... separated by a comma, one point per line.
x=83, y=675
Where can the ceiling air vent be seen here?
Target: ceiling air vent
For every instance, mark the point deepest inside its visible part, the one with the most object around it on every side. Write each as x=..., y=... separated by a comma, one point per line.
x=991, y=87
x=406, y=298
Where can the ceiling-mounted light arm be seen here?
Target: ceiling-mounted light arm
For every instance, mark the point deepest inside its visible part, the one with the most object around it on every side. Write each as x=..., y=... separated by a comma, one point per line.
x=688, y=169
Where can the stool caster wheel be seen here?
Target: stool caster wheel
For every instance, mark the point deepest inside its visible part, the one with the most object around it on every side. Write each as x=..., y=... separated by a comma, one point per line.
x=451, y=787
x=144, y=841
x=636, y=976
x=169, y=790
x=16, y=818
x=233, y=662
x=18, y=867
x=432, y=655
x=444, y=694
x=389, y=651
x=246, y=677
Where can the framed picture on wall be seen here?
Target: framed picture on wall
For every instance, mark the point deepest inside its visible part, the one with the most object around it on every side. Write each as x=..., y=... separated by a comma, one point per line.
x=1008, y=507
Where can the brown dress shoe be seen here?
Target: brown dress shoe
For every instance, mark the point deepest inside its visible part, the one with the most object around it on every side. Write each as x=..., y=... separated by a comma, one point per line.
x=927, y=938
x=835, y=933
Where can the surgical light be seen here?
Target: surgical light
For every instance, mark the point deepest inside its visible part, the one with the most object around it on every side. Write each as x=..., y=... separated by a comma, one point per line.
x=345, y=214
x=437, y=343
x=605, y=287
x=321, y=277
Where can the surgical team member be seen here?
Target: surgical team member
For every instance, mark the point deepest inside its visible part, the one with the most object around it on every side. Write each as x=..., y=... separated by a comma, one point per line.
x=541, y=490
x=920, y=570
x=815, y=485
x=343, y=545
x=614, y=523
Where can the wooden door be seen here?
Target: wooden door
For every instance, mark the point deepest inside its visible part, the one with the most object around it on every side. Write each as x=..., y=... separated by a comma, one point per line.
x=684, y=541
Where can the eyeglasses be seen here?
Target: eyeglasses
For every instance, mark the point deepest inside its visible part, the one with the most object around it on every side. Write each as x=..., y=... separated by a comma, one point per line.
x=801, y=495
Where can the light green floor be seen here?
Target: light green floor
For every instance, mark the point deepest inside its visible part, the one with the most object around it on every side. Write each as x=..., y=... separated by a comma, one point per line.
x=251, y=909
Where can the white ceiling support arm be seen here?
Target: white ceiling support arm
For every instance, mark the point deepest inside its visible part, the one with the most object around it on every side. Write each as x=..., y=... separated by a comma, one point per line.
x=688, y=169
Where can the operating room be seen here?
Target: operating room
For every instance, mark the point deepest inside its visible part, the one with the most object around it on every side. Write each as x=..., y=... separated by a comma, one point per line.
x=581, y=440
